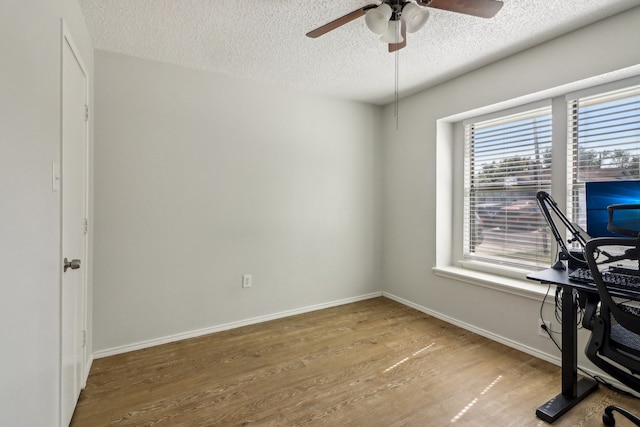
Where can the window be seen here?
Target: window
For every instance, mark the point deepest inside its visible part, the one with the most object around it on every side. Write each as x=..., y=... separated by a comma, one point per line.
x=603, y=142
x=507, y=161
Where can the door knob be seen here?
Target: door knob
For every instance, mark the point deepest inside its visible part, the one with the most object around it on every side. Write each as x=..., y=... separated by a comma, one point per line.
x=74, y=264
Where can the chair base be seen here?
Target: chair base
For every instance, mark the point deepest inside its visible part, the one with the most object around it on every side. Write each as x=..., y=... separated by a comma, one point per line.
x=608, y=420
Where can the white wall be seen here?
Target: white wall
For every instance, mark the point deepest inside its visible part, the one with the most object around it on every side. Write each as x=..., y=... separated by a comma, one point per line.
x=29, y=209
x=200, y=179
x=414, y=179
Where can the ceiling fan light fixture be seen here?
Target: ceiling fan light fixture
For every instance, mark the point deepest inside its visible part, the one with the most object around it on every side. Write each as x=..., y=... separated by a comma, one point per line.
x=393, y=34
x=377, y=18
x=414, y=16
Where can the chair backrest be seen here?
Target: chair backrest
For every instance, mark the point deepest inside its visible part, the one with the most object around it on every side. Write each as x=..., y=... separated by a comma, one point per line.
x=599, y=253
x=616, y=328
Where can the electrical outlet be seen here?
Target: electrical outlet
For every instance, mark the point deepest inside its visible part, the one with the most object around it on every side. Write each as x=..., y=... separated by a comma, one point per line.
x=542, y=331
x=246, y=281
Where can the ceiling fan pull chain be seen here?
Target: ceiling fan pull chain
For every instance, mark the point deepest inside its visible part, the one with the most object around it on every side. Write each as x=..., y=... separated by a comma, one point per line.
x=397, y=85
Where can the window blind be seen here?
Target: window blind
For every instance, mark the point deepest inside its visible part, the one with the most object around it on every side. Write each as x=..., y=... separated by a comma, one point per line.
x=603, y=142
x=507, y=161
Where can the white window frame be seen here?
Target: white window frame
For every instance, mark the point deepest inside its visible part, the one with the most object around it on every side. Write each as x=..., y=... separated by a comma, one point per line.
x=575, y=207
x=508, y=113
x=450, y=261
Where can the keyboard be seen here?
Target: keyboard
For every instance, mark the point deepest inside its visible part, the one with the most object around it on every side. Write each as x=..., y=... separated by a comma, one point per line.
x=617, y=280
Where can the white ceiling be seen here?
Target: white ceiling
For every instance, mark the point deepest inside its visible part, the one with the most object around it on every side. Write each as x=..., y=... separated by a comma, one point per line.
x=264, y=40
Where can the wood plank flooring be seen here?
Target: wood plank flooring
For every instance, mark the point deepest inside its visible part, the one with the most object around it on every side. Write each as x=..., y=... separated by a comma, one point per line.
x=371, y=363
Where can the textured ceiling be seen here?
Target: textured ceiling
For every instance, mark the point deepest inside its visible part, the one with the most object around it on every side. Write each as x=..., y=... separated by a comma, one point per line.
x=264, y=40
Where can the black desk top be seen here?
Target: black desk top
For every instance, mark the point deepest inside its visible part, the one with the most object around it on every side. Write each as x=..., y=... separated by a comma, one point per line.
x=561, y=278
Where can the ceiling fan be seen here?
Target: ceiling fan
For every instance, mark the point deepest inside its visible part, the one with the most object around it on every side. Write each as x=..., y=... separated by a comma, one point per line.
x=393, y=18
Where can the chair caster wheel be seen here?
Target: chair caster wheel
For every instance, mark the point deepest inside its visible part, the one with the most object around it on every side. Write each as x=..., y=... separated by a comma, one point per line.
x=607, y=418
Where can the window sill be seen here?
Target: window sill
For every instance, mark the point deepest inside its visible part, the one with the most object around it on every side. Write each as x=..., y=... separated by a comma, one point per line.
x=521, y=287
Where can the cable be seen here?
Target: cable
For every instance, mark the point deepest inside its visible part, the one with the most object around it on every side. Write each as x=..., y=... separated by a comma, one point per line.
x=558, y=315
x=558, y=305
x=610, y=386
x=580, y=313
x=544, y=325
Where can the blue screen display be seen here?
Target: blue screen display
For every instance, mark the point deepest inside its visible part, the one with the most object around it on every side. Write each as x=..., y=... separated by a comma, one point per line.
x=600, y=195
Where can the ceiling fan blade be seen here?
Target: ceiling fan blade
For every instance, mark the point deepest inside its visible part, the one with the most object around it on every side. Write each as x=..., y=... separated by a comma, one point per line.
x=340, y=21
x=403, y=30
x=480, y=8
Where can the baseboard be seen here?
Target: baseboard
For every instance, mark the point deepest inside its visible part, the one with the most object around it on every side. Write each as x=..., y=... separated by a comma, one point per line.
x=87, y=369
x=226, y=326
x=556, y=360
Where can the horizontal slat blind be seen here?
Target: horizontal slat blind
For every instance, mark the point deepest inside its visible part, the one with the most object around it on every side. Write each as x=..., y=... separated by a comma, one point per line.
x=507, y=161
x=603, y=142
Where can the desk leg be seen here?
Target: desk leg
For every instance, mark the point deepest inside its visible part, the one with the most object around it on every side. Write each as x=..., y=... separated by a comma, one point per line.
x=573, y=390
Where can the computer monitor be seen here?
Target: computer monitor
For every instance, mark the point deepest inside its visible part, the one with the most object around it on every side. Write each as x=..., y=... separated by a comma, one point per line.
x=602, y=194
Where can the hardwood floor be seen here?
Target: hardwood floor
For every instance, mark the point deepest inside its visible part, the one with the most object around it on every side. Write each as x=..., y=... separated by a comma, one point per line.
x=371, y=363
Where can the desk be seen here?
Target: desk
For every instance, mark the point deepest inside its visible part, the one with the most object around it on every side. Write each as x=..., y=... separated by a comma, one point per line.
x=573, y=391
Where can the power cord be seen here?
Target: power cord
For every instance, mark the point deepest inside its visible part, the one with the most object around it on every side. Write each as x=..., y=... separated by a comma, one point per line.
x=558, y=315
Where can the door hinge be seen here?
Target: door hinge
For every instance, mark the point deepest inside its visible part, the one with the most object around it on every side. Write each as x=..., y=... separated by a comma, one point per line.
x=84, y=338
x=86, y=225
x=86, y=113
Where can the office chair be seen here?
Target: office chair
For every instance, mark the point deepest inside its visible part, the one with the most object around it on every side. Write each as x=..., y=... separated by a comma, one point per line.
x=614, y=344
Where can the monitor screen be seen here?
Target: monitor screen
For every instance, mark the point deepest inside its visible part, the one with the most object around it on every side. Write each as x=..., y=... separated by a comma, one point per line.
x=600, y=195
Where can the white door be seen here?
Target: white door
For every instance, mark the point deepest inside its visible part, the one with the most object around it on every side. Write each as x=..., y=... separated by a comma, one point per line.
x=74, y=214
